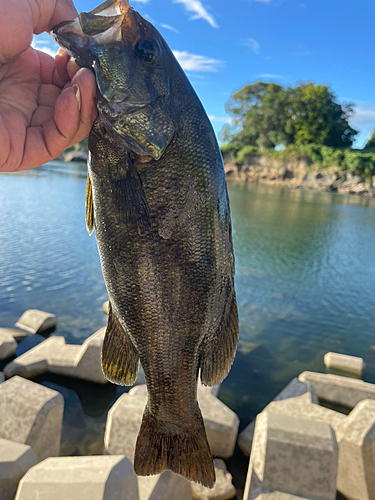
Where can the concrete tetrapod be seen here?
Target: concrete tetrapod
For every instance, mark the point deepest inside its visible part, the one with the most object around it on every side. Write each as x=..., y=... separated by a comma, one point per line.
x=8, y=345
x=340, y=390
x=344, y=363
x=293, y=390
x=80, y=478
x=166, y=486
x=35, y=321
x=223, y=489
x=55, y=356
x=125, y=417
x=15, y=460
x=31, y=414
x=356, y=439
x=293, y=456
x=17, y=333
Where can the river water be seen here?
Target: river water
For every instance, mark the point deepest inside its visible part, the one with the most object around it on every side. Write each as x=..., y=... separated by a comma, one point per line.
x=305, y=284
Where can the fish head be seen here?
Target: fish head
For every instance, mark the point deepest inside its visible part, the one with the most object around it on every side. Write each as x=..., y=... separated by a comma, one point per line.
x=131, y=62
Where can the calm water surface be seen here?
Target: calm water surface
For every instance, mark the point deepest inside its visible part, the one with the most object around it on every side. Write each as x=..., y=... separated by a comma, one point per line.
x=305, y=284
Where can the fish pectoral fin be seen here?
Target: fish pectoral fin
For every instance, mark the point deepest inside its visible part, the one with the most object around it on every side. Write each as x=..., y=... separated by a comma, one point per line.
x=218, y=352
x=119, y=356
x=89, y=207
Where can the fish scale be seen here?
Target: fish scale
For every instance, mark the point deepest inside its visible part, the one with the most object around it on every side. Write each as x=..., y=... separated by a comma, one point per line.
x=158, y=202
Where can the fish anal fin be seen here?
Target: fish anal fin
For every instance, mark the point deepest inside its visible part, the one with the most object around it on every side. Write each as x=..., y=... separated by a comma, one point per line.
x=184, y=451
x=218, y=353
x=89, y=207
x=119, y=356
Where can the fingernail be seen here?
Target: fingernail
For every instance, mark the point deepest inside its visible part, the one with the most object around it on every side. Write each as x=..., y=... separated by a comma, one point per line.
x=78, y=95
x=61, y=51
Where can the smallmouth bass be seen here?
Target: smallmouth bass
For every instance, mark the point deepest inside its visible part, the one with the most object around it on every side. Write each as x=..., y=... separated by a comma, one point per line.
x=157, y=199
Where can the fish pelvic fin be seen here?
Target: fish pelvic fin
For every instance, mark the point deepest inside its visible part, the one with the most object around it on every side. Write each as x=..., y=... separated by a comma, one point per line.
x=184, y=451
x=218, y=353
x=89, y=207
x=119, y=356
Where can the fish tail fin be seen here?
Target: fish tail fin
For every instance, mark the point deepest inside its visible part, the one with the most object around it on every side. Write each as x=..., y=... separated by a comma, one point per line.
x=184, y=451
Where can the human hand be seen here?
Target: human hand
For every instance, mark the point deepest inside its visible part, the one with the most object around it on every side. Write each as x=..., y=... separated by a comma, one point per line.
x=46, y=104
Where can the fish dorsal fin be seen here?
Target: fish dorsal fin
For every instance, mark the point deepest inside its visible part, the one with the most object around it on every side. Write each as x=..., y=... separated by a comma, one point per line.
x=89, y=207
x=218, y=352
x=119, y=356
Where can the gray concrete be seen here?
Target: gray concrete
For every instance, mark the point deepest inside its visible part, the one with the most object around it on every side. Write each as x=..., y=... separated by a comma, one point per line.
x=344, y=363
x=15, y=460
x=31, y=414
x=356, y=439
x=35, y=321
x=2, y=377
x=8, y=345
x=55, y=356
x=223, y=489
x=340, y=390
x=80, y=478
x=293, y=456
x=166, y=486
x=16, y=333
x=293, y=390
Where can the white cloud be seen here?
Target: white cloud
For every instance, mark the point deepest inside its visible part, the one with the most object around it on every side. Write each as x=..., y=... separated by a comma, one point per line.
x=141, y=1
x=220, y=119
x=194, y=62
x=269, y=75
x=41, y=45
x=263, y=1
x=170, y=28
x=253, y=44
x=199, y=11
x=364, y=114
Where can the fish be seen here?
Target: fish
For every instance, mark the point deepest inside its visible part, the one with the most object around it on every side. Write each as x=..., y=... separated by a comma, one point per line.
x=157, y=199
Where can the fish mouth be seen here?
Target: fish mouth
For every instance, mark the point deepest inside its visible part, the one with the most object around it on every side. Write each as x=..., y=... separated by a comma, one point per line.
x=99, y=26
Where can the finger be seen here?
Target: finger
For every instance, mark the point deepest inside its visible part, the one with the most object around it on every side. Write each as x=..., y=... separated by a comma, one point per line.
x=46, y=142
x=42, y=115
x=64, y=11
x=72, y=68
x=86, y=82
x=61, y=74
x=48, y=95
x=46, y=14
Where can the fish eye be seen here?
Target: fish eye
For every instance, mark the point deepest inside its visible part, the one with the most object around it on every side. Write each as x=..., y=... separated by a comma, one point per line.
x=147, y=50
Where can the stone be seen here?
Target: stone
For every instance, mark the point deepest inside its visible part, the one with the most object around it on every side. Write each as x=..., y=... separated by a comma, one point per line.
x=344, y=363
x=55, y=356
x=125, y=417
x=356, y=439
x=8, y=345
x=294, y=456
x=166, y=486
x=293, y=390
x=35, y=321
x=106, y=307
x=340, y=390
x=223, y=489
x=16, y=333
x=31, y=414
x=15, y=460
x=80, y=478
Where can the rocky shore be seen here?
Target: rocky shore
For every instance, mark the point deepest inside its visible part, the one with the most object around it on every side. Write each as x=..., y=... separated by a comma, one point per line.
x=297, y=174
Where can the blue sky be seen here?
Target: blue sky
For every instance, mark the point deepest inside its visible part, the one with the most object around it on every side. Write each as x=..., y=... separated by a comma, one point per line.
x=222, y=45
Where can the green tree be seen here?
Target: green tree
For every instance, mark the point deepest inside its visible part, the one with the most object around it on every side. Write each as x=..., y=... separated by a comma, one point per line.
x=317, y=118
x=370, y=144
x=267, y=114
x=259, y=116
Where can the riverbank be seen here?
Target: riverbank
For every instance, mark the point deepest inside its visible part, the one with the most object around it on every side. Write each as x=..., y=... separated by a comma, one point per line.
x=297, y=173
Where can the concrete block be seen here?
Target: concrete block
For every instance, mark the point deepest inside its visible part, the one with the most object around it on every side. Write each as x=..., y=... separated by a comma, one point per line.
x=293, y=390
x=80, y=478
x=2, y=377
x=31, y=414
x=278, y=495
x=343, y=363
x=166, y=486
x=8, y=345
x=294, y=456
x=356, y=439
x=105, y=307
x=125, y=417
x=55, y=356
x=341, y=390
x=15, y=460
x=223, y=489
x=16, y=333
x=35, y=321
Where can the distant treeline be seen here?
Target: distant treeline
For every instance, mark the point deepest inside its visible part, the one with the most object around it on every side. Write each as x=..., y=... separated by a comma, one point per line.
x=305, y=121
